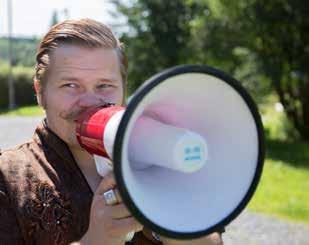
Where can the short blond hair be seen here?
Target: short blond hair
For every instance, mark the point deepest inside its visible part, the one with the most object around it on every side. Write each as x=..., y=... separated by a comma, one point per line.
x=84, y=32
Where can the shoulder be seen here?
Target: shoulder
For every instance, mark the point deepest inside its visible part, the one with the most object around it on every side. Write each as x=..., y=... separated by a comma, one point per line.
x=21, y=171
x=14, y=152
x=10, y=232
x=14, y=160
x=41, y=209
x=13, y=171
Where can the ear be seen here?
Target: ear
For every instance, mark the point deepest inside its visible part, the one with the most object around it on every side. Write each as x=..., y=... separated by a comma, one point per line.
x=37, y=88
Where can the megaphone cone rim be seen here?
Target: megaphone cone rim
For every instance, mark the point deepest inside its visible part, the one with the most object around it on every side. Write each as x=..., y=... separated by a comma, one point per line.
x=117, y=152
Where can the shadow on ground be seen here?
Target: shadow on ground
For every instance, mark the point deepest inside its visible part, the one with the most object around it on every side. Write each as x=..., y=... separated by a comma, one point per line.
x=295, y=154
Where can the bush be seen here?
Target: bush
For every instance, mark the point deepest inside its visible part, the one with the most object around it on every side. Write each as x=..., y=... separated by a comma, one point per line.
x=276, y=124
x=23, y=82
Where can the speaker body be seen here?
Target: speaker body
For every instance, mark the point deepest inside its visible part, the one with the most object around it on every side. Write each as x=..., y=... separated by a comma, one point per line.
x=212, y=104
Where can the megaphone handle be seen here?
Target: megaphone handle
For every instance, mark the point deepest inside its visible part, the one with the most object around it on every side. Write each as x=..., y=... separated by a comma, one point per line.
x=103, y=165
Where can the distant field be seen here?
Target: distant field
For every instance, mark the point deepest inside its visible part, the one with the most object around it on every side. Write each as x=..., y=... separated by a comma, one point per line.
x=284, y=187
x=24, y=111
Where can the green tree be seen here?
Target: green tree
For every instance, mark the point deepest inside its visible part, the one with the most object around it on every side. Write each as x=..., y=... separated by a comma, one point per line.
x=283, y=48
x=54, y=18
x=259, y=42
x=23, y=51
x=158, y=37
x=277, y=33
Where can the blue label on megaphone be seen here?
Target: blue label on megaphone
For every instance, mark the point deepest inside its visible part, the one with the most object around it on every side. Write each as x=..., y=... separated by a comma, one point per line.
x=193, y=158
x=192, y=153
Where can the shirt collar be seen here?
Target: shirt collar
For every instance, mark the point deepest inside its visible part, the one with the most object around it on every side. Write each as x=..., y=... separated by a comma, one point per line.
x=47, y=139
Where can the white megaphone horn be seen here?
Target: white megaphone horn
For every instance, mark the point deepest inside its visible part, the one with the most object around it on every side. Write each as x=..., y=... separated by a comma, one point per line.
x=187, y=150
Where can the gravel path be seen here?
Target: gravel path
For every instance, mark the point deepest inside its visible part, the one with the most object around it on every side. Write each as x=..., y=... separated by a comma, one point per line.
x=16, y=130
x=258, y=229
x=248, y=229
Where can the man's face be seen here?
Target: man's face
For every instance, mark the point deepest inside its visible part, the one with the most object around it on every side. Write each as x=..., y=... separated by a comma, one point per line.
x=79, y=78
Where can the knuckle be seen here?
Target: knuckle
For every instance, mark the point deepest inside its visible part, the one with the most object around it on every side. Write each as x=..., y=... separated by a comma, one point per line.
x=114, y=230
x=131, y=222
x=109, y=178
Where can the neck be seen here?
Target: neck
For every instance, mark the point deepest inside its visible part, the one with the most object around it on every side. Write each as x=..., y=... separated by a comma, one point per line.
x=86, y=163
x=83, y=158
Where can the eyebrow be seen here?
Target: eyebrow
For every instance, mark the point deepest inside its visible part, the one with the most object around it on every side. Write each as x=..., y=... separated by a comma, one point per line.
x=110, y=80
x=75, y=79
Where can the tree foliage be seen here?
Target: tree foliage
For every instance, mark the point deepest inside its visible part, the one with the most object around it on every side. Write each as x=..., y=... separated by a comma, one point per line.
x=23, y=51
x=158, y=37
x=257, y=41
x=277, y=33
x=283, y=48
x=55, y=18
x=23, y=86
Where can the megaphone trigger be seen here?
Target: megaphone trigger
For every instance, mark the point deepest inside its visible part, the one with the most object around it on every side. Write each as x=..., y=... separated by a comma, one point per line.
x=103, y=165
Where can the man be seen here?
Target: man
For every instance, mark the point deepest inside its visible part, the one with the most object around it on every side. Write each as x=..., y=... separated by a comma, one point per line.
x=50, y=191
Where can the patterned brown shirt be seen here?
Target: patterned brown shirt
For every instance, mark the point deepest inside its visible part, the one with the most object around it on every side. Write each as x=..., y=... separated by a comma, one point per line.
x=44, y=196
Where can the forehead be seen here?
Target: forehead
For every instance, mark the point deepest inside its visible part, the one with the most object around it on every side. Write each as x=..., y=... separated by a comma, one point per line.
x=75, y=58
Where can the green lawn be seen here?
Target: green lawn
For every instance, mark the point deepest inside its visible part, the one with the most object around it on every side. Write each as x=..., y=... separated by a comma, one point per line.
x=24, y=111
x=284, y=187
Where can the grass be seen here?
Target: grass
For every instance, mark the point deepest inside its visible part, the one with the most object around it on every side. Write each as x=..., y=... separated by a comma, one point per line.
x=24, y=111
x=284, y=187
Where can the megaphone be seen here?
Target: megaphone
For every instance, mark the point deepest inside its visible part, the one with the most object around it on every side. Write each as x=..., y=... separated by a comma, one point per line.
x=187, y=151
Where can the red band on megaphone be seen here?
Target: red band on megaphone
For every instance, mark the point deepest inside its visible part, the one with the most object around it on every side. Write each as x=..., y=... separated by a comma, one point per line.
x=90, y=128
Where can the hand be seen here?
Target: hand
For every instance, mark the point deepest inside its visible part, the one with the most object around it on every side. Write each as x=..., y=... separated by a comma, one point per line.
x=212, y=239
x=109, y=224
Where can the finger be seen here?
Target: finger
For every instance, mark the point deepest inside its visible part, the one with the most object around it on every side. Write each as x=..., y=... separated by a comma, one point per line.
x=112, y=197
x=127, y=225
x=107, y=183
x=119, y=211
x=118, y=196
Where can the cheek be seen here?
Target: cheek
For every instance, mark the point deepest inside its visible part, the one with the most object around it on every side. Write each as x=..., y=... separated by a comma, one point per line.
x=58, y=102
x=115, y=96
x=56, y=107
x=65, y=129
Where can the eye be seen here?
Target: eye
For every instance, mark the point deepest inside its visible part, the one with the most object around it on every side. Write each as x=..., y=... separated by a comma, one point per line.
x=69, y=85
x=104, y=86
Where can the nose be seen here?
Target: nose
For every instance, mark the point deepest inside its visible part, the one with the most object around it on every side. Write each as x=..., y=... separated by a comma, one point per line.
x=89, y=100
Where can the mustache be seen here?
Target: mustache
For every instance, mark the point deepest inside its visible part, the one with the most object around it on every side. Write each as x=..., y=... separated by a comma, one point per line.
x=74, y=114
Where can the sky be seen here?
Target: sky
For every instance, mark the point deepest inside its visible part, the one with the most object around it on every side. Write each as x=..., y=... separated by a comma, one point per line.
x=33, y=17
